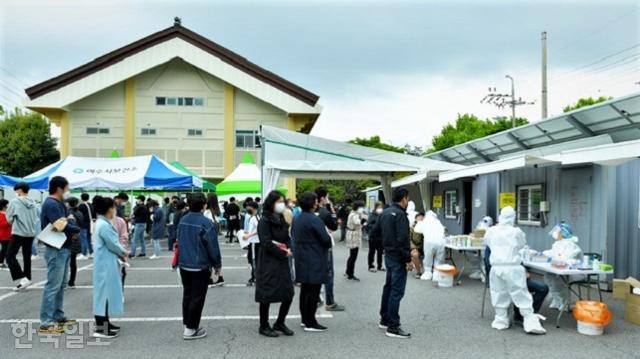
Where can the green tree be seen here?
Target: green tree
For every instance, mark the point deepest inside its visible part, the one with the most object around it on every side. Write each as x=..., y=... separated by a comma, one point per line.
x=375, y=142
x=26, y=144
x=586, y=101
x=469, y=127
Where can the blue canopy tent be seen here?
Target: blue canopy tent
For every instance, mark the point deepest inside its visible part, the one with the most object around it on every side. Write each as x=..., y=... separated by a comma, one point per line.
x=124, y=173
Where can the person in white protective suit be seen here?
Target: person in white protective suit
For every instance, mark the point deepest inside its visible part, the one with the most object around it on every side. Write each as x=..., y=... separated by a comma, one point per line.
x=411, y=213
x=434, y=241
x=565, y=248
x=508, y=277
x=484, y=223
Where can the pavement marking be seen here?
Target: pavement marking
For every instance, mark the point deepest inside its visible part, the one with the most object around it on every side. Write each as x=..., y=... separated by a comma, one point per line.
x=38, y=285
x=170, y=319
x=140, y=286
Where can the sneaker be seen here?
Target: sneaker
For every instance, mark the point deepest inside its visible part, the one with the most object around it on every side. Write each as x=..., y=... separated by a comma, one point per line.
x=81, y=257
x=50, y=329
x=66, y=322
x=268, y=332
x=141, y=255
x=353, y=278
x=372, y=270
x=476, y=275
x=303, y=325
x=381, y=269
x=250, y=283
x=282, y=328
x=105, y=334
x=34, y=257
x=397, y=333
x=197, y=334
x=315, y=328
x=383, y=325
x=153, y=257
x=334, y=308
x=219, y=282
x=114, y=328
x=71, y=286
x=24, y=283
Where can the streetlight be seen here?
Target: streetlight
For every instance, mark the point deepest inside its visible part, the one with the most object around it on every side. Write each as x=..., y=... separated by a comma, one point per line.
x=513, y=101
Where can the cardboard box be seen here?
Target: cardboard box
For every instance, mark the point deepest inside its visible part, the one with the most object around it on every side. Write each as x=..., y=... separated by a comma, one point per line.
x=632, y=309
x=622, y=287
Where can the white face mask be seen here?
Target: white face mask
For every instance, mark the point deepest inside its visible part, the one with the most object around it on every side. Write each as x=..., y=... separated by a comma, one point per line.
x=279, y=207
x=66, y=195
x=360, y=210
x=554, y=235
x=379, y=210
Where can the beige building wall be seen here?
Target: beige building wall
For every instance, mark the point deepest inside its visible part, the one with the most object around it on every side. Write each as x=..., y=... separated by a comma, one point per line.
x=103, y=109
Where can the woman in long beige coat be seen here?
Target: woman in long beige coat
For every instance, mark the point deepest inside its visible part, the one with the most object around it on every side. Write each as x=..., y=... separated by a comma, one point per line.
x=355, y=222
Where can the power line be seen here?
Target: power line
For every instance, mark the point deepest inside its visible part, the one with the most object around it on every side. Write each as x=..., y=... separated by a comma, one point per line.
x=600, y=60
x=11, y=90
x=14, y=76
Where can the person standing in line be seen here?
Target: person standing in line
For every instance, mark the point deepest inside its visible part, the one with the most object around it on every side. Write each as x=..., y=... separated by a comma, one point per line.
x=375, y=243
x=343, y=215
x=327, y=214
x=86, y=224
x=171, y=228
x=54, y=212
x=76, y=240
x=199, y=253
x=140, y=218
x=273, y=276
x=107, y=284
x=166, y=208
x=311, y=255
x=5, y=232
x=157, y=227
x=251, y=235
x=22, y=214
x=355, y=222
x=245, y=215
x=233, y=218
x=123, y=236
x=212, y=213
x=393, y=228
x=121, y=200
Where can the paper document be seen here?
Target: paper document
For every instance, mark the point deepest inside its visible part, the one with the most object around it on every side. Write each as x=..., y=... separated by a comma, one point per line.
x=50, y=237
x=243, y=243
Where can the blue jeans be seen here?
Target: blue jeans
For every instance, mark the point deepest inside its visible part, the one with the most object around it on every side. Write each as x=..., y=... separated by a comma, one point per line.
x=156, y=247
x=85, y=242
x=328, y=285
x=138, y=238
x=392, y=292
x=53, y=294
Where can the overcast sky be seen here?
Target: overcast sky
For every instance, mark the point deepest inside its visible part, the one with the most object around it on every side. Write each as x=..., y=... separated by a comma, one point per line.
x=399, y=69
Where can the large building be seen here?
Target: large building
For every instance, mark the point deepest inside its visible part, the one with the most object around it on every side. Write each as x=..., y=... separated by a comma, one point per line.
x=175, y=94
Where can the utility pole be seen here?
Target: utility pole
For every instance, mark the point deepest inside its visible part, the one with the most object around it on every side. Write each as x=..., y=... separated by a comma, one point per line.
x=501, y=100
x=544, y=75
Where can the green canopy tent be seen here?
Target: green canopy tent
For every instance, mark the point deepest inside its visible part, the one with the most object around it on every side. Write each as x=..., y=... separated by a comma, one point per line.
x=206, y=185
x=245, y=180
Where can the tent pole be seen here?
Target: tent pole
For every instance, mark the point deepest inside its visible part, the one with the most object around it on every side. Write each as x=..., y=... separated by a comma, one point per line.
x=262, y=157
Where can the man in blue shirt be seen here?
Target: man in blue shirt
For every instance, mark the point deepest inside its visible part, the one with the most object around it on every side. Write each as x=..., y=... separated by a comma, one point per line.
x=52, y=318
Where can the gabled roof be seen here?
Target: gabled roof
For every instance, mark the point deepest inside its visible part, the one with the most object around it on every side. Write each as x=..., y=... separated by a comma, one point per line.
x=176, y=31
x=619, y=118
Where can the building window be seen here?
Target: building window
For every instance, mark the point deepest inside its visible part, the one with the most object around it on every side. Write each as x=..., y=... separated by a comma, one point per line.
x=194, y=132
x=450, y=204
x=148, y=131
x=528, y=203
x=179, y=101
x=97, y=131
x=247, y=139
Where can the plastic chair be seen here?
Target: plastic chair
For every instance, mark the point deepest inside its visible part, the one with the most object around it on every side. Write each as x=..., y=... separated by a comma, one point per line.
x=589, y=281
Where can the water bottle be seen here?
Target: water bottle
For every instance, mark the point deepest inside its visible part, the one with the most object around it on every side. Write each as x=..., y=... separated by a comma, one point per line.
x=596, y=264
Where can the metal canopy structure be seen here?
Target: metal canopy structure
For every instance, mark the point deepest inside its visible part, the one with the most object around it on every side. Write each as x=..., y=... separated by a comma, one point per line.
x=619, y=118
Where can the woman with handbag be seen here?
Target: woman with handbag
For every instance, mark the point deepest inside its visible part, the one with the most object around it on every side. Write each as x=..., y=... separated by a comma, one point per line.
x=273, y=275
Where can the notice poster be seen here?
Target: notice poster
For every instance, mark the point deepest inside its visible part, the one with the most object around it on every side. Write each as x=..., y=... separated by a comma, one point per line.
x=507, y=199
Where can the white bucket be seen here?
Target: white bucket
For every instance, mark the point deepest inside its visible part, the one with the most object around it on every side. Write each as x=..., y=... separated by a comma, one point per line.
x=589, y=329
x=445, y=280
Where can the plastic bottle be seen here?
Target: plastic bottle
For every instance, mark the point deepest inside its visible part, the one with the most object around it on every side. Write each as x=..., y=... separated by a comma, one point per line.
x=596, y=264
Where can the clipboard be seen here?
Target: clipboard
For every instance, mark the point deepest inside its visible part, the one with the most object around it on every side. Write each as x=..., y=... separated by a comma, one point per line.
x=52, y=238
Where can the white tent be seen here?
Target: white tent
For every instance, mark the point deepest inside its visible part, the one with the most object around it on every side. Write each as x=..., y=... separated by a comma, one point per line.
x=288, y=153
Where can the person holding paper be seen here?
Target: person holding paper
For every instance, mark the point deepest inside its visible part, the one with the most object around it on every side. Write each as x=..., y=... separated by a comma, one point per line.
x=107, y=284
x=273, y=277
x=54, y=212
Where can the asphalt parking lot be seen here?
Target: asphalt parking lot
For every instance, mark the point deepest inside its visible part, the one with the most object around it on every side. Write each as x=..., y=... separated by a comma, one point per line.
x=444, y=322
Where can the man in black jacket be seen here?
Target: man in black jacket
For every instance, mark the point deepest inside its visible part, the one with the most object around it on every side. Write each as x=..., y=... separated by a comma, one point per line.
x=327, y=214
x=140, y=218
x=233, y=217
x=88, y=215
x=393, y=227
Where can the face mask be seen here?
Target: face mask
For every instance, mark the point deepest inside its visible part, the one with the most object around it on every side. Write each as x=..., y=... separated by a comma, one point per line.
x=379, y=211
x=554, y=235
x=65, y=195
x=279, y=207
x=360, y=210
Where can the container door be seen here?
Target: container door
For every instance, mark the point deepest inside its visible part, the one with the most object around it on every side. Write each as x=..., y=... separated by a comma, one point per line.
x=575, y=204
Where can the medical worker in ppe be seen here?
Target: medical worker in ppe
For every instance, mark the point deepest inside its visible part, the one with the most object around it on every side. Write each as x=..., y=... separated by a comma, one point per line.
x=433, y=233
x=484, y=223
x=411, y=213
x=565, y=248
x=508, y=277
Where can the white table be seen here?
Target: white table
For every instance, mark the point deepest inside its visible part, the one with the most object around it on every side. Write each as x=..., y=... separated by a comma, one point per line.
x=564, y=274
x=451, y=247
